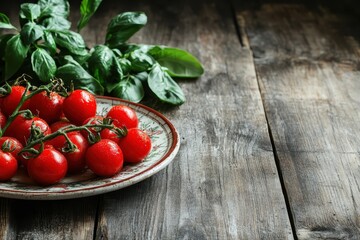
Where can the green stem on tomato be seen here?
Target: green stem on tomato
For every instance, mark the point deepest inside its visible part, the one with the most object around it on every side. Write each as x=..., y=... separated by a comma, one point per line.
x=63, y=132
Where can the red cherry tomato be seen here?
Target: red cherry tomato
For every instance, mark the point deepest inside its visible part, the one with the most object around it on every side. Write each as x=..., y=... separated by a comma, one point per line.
x=59, y=140
x=11, y=101
x=47, y=106
x=25, y=157
x=76, y=160
x=59, y=124
x=11, y=145
x=109, y=134
x=79, y=106
x=8, y=166
x=20, y=128
x=2, y=120
x=104, y=158
x=48, y=167
x=123, y=116
x=136, y=145
x=91, y=120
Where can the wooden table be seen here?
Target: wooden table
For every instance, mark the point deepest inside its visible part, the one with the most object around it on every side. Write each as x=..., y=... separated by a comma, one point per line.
x=270, y=145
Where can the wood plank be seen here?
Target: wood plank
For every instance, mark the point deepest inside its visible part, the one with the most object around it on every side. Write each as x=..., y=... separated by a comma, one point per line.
x=307, y=62
x=65, y=219
x=223, y=184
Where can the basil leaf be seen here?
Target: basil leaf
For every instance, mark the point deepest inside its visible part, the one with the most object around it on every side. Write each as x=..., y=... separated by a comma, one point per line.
x=123, y=26
x=101, y=62
x=49, y=42
x=70, y=40
x=164, y=87
x=29, y=11
x=129, y=88
x=125, y=65
x=179, y=63
x=5, y=22
x=43, y=65
x=15, y=54
x=87, y=9
x=60, y=8
x=56, y=23
x=73, y=72
x=140, y=61
x=31, y=32
x=142, y=76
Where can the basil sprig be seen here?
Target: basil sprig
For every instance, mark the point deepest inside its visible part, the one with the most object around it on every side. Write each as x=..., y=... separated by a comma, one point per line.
x=45, y=47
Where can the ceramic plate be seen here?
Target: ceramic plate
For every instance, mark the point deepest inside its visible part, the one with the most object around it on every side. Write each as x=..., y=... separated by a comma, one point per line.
x=165, y=145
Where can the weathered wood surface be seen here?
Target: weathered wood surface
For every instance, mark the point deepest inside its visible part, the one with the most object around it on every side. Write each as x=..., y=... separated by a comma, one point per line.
x=307, y=62
x=301, y=62
x=223, y=184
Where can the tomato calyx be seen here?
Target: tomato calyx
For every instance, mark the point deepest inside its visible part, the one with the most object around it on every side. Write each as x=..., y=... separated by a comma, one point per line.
x=8, y=146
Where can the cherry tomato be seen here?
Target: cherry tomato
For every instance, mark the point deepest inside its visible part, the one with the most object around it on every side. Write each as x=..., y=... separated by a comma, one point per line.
x=2, y=120
x=48, y=167
x=47, y=106
x=25, y=157
x=59, y=124
x=109, y=134
x=20, y=128
x=123, y=116
x=8, y=166
x=76, y=160
x=11, y=145
x=136, y=145
x=79, y=106
x=104, y=158
x=92, y=120
x=11, y=101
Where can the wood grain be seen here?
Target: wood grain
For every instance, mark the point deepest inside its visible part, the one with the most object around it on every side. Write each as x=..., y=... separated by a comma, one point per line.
x=223, y=184
x=66, y=219
x=307, y=62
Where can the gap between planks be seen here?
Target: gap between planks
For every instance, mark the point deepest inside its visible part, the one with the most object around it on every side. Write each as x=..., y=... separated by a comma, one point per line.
x=240, y=26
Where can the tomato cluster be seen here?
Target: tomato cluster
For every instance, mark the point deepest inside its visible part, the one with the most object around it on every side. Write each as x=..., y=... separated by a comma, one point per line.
x=63, y=135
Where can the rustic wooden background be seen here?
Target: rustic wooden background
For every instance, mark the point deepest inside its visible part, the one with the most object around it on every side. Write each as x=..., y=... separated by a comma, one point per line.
x=270, y=144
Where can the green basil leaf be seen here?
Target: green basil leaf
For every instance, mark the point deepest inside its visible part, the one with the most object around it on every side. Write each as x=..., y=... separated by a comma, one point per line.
x=71, y=41
x=129, y=88
x=73, y=72
x=140, y=61
x=142, y=76
x=15, y=54
x=5, y=22
x=30, y=11
x=59, y=8
x=125, y=65
x=123, y=26
x=87, y=9
x=164, y=87
x=117, y=52
x=31, y=32
x=179, y=63
x=101, y=62
x=43, y=65
x=56, y=23
x=49, y=42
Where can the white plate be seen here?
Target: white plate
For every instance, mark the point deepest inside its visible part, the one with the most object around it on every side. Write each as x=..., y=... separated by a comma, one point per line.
x=165, y=145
